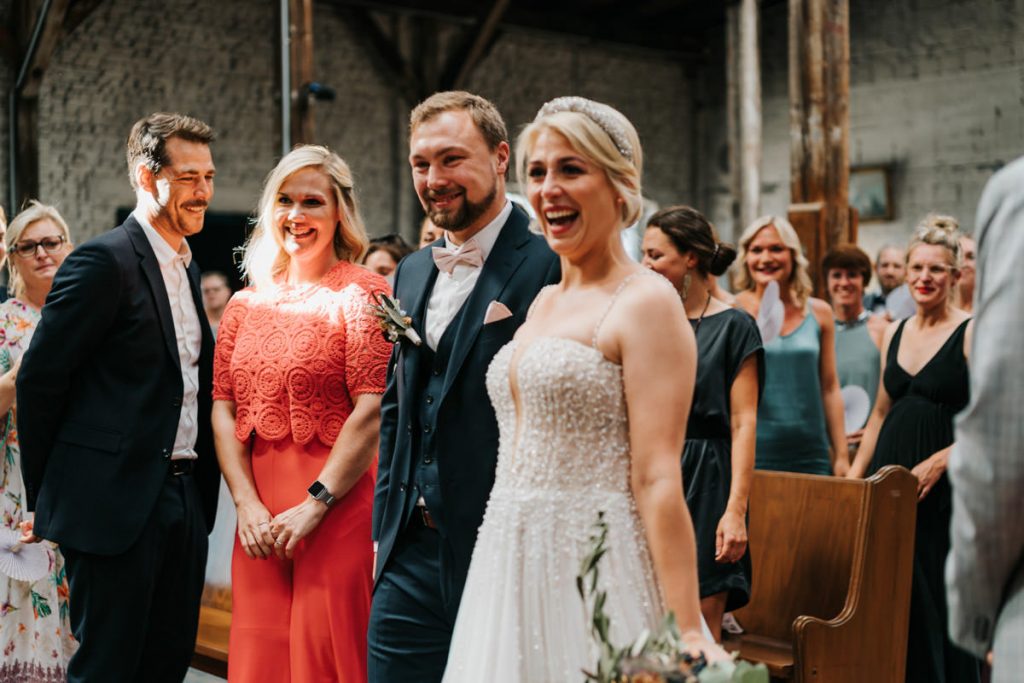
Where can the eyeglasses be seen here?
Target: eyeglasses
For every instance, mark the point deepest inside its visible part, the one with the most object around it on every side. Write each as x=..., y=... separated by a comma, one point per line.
x=27, y=248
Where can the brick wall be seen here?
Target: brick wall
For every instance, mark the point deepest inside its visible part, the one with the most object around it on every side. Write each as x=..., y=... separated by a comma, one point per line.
x=936, y=92
x=216, y=61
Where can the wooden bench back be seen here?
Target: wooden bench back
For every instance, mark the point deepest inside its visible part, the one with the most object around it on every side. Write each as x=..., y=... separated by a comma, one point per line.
x=803, y=540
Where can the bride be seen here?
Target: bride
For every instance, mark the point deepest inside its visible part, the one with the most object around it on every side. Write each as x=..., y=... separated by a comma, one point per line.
x=588, y=397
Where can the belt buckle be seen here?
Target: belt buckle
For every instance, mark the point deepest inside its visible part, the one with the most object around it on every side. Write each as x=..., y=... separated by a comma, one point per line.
x=181, y=467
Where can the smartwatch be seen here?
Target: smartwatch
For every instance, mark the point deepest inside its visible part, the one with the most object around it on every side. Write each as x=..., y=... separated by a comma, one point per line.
x=320, y=492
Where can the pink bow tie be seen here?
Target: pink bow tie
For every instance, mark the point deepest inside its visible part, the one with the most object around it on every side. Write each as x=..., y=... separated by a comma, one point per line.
x=468, y=255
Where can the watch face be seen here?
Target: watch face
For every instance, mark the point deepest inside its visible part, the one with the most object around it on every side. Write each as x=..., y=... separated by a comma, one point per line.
x=317, y=489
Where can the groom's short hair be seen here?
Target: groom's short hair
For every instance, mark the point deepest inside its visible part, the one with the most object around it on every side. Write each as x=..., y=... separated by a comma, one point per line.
x=483, y=112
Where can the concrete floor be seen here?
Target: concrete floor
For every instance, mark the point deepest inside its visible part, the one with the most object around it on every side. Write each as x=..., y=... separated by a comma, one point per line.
x=196, y=676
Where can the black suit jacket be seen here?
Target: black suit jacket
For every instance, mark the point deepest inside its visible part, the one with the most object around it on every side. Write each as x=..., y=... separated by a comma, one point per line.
x=99, y=397
x=466, y=433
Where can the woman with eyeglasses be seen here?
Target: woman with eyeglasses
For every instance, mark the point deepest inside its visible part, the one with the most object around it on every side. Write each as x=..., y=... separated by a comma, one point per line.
x=924, y=385
x=35, y=634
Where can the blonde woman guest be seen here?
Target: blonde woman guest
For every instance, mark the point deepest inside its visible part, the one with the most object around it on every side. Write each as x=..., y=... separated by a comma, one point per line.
x=35, y=633
x=299, y=368
x=964, y=293
x=925, y=383
x=591, y=396
x=718, y=459
x=800, y=418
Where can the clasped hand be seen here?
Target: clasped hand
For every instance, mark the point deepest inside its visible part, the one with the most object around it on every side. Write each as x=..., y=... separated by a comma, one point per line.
x=262, y=535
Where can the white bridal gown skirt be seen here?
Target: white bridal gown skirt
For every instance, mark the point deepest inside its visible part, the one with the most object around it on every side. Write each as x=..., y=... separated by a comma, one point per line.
x=521, y=618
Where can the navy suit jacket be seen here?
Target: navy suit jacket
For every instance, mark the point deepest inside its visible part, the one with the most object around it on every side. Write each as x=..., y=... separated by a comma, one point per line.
x=466, y=433
x=100, y=393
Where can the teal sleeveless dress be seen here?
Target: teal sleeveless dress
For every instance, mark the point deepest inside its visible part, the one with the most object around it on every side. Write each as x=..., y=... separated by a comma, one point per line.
x=858, y=360
x=791, y=432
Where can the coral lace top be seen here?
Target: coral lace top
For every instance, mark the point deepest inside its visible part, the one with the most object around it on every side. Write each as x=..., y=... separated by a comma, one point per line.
x=292, y=359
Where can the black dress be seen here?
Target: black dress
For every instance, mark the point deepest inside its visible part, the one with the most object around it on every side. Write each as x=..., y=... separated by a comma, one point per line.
x=919, y=423
x=724, y=341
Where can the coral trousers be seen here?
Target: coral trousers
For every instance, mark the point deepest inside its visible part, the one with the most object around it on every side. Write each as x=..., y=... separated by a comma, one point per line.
x=303, y=620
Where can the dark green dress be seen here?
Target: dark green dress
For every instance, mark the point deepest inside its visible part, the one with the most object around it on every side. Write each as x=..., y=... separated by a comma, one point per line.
x=919, y=423
x=724, y=341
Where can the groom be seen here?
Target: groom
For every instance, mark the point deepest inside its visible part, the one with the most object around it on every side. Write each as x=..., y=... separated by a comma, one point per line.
x=467, y=294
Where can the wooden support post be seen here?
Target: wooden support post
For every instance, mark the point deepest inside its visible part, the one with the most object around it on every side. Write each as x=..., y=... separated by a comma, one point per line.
x=819, y=84
x=749, y=112
x=836, y=47
x=38, y=35
x=732, y=113
x=301, y=49
x=743, y=110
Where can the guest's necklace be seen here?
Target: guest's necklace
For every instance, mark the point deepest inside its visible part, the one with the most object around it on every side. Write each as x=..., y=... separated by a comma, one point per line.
x=701, y=318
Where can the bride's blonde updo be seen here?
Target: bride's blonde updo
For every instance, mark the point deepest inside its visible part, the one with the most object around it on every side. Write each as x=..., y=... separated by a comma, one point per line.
x=601, y=134
x=938, y=230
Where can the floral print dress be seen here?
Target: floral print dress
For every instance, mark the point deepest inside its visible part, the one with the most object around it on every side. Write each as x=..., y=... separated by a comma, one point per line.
x=35, y=634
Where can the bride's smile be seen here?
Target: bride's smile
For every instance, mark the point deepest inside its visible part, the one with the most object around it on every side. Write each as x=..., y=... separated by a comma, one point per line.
x=575, y=200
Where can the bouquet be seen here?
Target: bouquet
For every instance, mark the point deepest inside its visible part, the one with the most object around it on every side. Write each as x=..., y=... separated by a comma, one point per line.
x=658, y=657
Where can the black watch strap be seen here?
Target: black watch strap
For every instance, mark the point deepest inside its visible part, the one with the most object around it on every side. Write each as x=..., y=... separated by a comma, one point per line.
x=320, y=493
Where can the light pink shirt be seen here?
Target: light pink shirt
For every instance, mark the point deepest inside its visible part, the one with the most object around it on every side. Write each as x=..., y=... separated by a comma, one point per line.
x=187, y=332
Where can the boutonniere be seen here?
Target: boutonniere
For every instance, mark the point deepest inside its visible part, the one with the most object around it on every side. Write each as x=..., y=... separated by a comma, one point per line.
x=392, y=320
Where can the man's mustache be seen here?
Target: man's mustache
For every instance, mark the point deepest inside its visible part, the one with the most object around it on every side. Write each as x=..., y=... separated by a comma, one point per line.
x=437, y=194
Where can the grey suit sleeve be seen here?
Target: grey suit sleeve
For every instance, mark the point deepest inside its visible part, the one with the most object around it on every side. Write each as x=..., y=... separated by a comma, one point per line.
x=986, y=468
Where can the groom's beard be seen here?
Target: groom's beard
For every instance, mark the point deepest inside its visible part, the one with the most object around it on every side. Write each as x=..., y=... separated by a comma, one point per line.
x=456, y=220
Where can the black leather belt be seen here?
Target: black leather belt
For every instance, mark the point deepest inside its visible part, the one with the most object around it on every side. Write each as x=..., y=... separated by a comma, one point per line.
x=183, y=466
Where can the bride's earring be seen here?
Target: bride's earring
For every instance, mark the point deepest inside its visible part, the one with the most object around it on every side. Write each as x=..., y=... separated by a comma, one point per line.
x=686, y=285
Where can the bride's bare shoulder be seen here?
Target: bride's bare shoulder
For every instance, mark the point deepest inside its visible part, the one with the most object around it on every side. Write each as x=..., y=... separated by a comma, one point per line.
x=647, y=298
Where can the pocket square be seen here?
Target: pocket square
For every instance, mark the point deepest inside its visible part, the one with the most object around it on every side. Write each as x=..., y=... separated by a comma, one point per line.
x=496, y=311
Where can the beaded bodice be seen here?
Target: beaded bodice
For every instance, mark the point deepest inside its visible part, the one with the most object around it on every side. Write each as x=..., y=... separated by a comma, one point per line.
x=572, y=434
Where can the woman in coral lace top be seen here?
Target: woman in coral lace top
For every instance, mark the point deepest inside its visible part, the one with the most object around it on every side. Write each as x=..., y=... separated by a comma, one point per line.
x=299, y=368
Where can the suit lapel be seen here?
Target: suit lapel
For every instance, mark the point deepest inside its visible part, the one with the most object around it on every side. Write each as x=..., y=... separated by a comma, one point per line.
x=417, y=278
x=502, y=263
x=151, y=270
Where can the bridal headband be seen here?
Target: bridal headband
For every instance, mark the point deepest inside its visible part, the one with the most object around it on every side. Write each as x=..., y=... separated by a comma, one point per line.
x=596, y=112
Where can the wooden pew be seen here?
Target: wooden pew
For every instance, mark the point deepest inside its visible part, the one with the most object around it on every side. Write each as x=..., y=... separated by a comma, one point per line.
x=832, y=561
x=211, y=653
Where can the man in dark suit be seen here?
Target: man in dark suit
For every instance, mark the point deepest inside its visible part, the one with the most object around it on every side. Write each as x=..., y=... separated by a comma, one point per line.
x=467, y=294
x=114, y=398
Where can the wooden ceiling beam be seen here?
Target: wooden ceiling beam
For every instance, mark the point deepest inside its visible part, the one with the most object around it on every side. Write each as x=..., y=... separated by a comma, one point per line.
x=33, y=66
x=78, y=12
x=478, y=41
x=384, y=54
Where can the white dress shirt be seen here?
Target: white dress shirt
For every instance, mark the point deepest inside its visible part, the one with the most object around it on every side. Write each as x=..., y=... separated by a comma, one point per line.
x=187, y=332
x=451, y=291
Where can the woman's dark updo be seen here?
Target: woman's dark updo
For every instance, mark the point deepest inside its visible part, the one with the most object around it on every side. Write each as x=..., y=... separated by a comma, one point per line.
x=691, y=232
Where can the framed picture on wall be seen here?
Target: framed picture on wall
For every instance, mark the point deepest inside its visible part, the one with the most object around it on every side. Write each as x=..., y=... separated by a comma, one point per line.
x=871, y=193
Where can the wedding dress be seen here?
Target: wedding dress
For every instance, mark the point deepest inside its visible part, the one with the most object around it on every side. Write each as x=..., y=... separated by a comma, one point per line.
x=521, y=619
